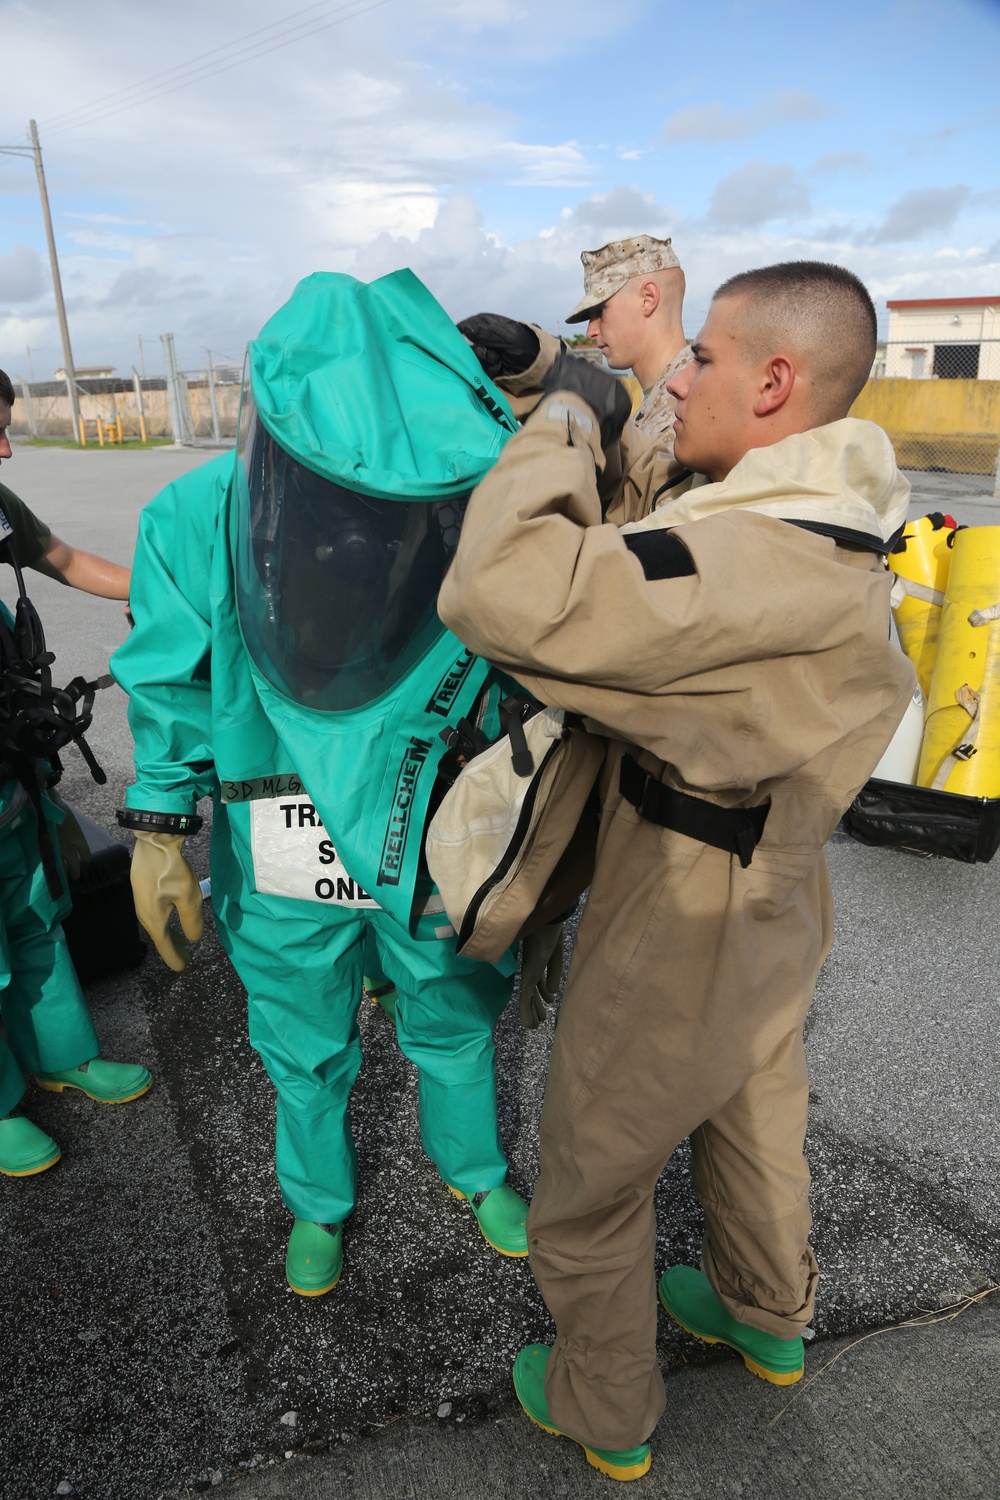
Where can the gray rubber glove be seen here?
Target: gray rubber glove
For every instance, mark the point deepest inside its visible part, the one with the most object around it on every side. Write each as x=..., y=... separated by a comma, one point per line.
x=73, y=844
x=162, y=879
x=607, y=397
x=542, y=954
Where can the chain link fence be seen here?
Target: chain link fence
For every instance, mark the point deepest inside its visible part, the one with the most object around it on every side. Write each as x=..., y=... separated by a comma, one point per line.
x=939, y=404
x=186, y=406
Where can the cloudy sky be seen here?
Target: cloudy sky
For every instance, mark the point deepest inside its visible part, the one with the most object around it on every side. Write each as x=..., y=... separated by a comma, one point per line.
x=202, y=157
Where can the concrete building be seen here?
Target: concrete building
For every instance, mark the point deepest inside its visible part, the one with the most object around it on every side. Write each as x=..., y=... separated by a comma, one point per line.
x=948, y=338
x=88, y=372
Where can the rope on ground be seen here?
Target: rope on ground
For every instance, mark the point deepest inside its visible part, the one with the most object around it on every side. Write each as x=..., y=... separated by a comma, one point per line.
x=924, y=1320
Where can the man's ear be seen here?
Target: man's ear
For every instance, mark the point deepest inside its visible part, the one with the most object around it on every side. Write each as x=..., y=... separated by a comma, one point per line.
x=649, y=298
x=776, y=384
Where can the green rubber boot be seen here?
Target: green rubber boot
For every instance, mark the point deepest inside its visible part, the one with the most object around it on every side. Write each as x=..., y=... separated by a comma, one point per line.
x=382, y=993
x=502, y=1218
x=107, y=1082
x=691, y=1301
x=314, y=1258
x=24, y=1149
x=529, y=1387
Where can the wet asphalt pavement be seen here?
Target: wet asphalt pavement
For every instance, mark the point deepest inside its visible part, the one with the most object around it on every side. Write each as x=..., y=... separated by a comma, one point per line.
x=150, y=1347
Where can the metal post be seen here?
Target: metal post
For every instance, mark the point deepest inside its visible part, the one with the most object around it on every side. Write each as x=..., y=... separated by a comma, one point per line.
x=178, y=409
x=74, y=400
x=56, y=283
x=28, y=405
x=167, y=340
x=139, y=406
x=996, y=478
x=211, y=397
x=184, y=407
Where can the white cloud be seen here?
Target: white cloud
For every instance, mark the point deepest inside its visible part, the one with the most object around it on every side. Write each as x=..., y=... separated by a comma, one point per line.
x=706, y=123
x=918, y=212
x=758, y=192
x=486, y=145
x=21, y=276
x=841, y=161
x=555, y=166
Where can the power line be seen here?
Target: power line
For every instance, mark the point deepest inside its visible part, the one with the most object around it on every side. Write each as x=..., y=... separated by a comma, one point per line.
x=68, y=116
x=200, y=72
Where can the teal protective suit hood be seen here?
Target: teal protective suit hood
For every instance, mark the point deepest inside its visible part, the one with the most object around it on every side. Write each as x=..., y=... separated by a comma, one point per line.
x=307, y=651
x=372, y=385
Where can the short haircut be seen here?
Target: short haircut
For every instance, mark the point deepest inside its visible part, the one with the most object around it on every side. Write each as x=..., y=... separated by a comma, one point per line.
x=815, y=309
x=6, y=389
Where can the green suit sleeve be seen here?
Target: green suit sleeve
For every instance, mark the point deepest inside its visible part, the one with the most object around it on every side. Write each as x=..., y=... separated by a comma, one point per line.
x=165, y=664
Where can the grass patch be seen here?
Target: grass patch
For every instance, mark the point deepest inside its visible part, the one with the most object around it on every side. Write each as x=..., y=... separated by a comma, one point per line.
x=131, y=444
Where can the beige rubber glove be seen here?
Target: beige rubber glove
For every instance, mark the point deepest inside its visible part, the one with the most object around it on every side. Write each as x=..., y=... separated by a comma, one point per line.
x=541, y=972
x=73, y=844
x=161, y=880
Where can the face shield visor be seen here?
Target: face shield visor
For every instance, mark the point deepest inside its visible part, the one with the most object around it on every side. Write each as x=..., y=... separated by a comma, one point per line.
x=336, y=591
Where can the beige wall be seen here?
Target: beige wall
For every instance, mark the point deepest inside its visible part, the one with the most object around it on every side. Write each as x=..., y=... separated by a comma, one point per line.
x=53, y=417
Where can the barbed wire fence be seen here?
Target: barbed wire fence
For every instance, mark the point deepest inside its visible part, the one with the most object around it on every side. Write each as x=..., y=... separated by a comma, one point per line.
x=191, y=407
x=939, y=405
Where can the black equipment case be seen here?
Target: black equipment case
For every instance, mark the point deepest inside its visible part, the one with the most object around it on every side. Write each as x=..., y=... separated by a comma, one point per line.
x=102, y=930
x=893, y=815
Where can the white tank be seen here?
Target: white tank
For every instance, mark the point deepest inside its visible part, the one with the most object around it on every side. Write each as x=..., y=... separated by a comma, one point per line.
x=902, y=756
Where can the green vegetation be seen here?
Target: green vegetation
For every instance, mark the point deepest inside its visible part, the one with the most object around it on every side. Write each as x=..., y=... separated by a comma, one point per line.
x=130, y=444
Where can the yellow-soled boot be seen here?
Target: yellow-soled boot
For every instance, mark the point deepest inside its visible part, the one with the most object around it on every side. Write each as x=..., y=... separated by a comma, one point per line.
x=314, y=1258
x=107, y=1082
x=691, y=1301
x=503, y=1219
x=24, y=1149
x=529, y=1387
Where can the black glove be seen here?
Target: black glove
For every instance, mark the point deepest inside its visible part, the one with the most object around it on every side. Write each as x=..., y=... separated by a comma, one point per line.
x=607, y=397
x=542, y=954
x=501, y=345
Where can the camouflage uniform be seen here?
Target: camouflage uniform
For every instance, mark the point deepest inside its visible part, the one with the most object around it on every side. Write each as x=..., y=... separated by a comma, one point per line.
x=655, y=417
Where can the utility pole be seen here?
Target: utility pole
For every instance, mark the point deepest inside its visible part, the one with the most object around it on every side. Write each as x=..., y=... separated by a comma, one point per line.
x=35, y=151
x=56, y=283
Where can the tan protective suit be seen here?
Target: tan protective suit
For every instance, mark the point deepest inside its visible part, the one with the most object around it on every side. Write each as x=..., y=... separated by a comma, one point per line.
x=768, y=673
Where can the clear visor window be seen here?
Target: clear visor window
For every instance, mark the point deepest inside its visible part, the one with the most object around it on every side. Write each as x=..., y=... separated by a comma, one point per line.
x=337, y=592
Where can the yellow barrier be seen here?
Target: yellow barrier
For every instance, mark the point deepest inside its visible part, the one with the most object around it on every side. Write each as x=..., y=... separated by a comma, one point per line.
x=937, y=424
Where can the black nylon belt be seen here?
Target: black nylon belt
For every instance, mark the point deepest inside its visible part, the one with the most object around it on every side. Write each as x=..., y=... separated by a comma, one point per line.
x=736, y=830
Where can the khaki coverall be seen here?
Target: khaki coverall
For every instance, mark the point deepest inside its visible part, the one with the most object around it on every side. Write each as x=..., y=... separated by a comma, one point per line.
x=767, y=673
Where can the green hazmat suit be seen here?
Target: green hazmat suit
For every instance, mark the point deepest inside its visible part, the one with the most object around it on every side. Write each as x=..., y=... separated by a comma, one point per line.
x=288, y=661
x=47, y=1025
x=46, y=1021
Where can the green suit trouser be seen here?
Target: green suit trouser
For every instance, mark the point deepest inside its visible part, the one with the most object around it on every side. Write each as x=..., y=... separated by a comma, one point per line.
x=45, y=1016
x=302, y=964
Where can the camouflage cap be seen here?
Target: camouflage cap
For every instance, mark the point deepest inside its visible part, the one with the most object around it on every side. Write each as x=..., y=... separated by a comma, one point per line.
x=605, y=271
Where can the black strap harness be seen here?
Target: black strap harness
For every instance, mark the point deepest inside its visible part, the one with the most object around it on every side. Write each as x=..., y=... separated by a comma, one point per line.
x=736, y=830
x=38, y=720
